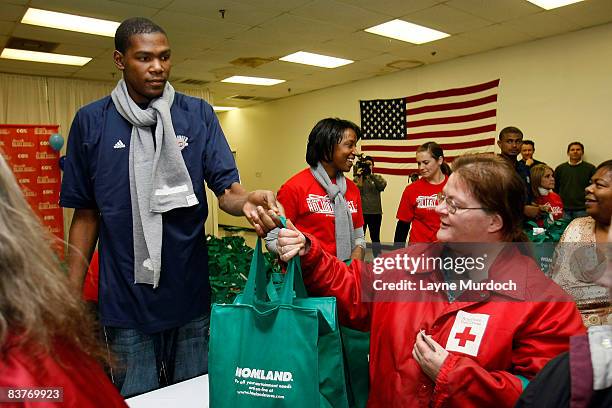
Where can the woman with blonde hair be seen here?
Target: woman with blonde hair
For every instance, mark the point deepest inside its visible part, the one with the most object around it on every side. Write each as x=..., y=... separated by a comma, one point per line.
x=47, y=339
x=542, y=183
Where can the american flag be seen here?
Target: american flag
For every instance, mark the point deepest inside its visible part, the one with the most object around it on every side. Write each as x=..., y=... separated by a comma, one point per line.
x=460, y=120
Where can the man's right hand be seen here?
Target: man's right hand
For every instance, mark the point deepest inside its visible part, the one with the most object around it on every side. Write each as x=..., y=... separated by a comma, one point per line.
x=82, y=240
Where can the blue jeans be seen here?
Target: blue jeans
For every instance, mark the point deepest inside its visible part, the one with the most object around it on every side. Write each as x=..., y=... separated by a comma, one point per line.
x=145, y=362
x=571, y=214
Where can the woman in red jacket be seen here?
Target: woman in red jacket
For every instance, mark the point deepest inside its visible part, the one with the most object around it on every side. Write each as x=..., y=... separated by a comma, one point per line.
x=454, y=346
x=47, y=339
x=419, y=199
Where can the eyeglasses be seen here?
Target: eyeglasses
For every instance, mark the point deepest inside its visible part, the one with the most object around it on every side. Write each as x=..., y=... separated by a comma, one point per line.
x=452, y=207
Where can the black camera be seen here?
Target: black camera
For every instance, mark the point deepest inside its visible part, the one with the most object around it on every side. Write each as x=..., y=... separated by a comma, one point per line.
x=363, y=167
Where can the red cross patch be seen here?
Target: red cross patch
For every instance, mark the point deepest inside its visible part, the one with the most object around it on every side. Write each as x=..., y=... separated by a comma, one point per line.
x=467, y=332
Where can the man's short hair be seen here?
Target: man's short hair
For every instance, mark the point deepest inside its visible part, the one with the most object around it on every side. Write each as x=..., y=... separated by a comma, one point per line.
x=529, y=142
x=133, y=26
x=575, y=144
x=510, y=129
x=324, y=136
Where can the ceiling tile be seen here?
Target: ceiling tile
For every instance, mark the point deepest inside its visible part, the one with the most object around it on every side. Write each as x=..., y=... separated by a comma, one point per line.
x=92, y=52
x=460, y=45
x=393, y=8
x=426, y=53
x=62, y=36
x=340, y=13
x=235, y=12
x=36, y=68
x=586, y=14
x=275, y=5
x=497, y=35
x=343, y=47
x=190, y=43
x=495, y=11
x=104, y=9
x=446, y=19
x=3, y=40
x=287, y=27
x=11, y=12
x=103, y=61
x=195, y=70
x=543, y=24
x=99, y=74
x=184, y=22
x=284, y=70
x=158, y=4
x=6, y=28
x=373, y=42
x=18, y=2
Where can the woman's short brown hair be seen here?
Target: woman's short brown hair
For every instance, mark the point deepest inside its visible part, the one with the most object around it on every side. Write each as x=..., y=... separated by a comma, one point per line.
x=498, y=187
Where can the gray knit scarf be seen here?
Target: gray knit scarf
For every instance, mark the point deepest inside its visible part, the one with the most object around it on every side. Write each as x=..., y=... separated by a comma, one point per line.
x=345, y=237
x=159, y=180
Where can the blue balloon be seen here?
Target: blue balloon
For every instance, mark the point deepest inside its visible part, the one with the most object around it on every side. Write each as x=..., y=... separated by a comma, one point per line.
x=56, y=141
x=62, y=161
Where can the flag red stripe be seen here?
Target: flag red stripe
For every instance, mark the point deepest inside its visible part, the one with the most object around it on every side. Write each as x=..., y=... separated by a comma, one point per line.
x=405, y=160
x=446, y=146
x=452, y=133
x=452, y=119
x=453, y=92
x=454, y=105
x=396, y=172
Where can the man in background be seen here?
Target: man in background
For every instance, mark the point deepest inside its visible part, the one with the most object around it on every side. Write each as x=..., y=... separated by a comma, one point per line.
x=135, y=170
x=571, y=178
x=510, y=142
x=370, y=186
x=527, y=151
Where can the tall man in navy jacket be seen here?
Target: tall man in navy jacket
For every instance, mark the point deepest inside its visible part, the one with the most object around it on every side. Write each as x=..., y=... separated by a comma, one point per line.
x=156, y=332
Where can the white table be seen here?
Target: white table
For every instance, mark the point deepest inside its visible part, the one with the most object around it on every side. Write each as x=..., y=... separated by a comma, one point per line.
x=187, y=394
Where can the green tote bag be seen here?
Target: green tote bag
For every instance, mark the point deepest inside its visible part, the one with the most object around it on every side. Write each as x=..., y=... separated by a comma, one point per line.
x=275, y=348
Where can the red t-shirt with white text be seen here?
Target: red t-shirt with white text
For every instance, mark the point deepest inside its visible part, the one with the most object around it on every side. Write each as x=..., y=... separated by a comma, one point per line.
x=556, y=205
x=417, y=206
x=308, y=207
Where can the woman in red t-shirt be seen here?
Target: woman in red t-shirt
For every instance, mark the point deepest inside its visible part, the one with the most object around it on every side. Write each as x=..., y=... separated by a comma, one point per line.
x=47, y=338
x=320, y=199
x=550, y=203
x=421, y=197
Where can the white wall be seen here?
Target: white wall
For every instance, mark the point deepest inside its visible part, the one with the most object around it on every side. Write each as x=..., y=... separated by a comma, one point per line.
x=556, y=90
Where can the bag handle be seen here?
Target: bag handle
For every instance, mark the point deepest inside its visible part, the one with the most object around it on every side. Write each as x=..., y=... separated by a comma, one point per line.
x=255, y=287
x=295, y=266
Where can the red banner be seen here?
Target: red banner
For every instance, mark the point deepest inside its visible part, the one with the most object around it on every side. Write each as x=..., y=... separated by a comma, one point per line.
x=36, y=168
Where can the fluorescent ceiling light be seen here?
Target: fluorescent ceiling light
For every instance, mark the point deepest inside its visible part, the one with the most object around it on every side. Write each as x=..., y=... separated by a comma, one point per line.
x=405, y=31
x=551, y=4
x=224, y=108
x=237, y=79
x=24, y=55
x=70, y=22
x=318, y=60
